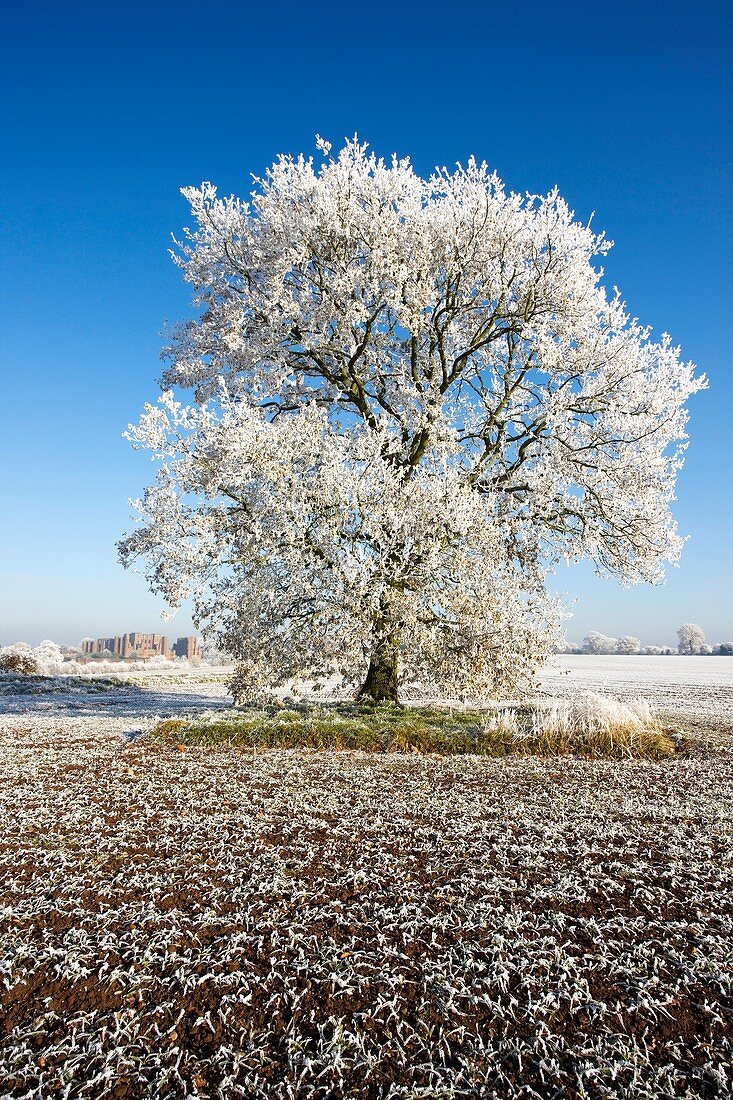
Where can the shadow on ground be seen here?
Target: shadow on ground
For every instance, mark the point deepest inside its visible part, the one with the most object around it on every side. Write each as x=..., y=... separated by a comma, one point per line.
x=130, y=702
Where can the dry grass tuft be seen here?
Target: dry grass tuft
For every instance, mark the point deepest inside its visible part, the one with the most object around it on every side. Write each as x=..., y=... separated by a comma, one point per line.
x=594, y=726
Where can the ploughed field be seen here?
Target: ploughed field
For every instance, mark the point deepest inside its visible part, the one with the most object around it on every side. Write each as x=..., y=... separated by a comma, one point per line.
x=223, y=923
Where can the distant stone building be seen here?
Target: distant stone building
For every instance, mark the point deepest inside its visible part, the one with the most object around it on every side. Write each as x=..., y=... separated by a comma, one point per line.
x=190, y=648
x=90, y=646
x=130, y=647
x=143, y=646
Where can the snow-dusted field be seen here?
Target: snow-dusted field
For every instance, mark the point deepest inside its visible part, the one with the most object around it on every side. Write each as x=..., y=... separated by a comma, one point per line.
x=290, y=924
x=697, y=691
x=118, y=701
x=335, y=926
x=692, y=689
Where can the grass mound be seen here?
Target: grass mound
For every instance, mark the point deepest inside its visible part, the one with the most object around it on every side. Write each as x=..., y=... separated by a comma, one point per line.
x=589, y=726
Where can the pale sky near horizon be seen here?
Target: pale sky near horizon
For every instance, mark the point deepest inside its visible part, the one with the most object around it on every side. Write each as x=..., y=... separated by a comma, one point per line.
x=109, y=109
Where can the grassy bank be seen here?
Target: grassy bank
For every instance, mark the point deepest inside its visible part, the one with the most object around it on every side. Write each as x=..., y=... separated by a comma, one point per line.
x=589, y=726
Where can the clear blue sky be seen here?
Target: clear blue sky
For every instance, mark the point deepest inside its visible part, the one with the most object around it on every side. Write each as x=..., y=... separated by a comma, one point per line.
x=109, y=109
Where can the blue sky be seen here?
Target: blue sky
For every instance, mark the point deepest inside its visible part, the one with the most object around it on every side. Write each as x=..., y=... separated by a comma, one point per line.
x=109, y=110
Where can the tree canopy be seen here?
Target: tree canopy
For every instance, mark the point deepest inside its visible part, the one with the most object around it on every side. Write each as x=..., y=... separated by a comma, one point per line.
x=411, y=398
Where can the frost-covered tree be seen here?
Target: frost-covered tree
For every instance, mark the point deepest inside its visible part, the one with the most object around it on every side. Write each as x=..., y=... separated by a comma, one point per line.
x=411, y=398
x=628, y=644
x=49, y=657
x=691, y=638
x=45, y=659
x=595, y=642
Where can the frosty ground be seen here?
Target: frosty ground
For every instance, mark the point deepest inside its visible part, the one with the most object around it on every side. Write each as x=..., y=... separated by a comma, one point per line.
x=293, y=924
x=695, y=691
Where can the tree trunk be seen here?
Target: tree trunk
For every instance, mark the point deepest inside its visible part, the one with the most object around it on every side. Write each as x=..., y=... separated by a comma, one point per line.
x=380, y=685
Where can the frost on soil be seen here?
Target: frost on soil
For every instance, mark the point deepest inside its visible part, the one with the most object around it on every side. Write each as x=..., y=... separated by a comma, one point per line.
x=321, y=925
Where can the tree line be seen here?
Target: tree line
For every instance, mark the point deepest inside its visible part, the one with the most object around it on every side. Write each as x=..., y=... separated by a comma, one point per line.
x=691, y=642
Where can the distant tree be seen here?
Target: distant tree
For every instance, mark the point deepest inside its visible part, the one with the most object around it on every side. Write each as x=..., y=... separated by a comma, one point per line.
x=46, y=659
x=725, y=649
x=411, y=398
x=595, y=642
x=628, y=644
x=49, y=657
x=705, y=650
x=691, y=638
x=652, y=650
